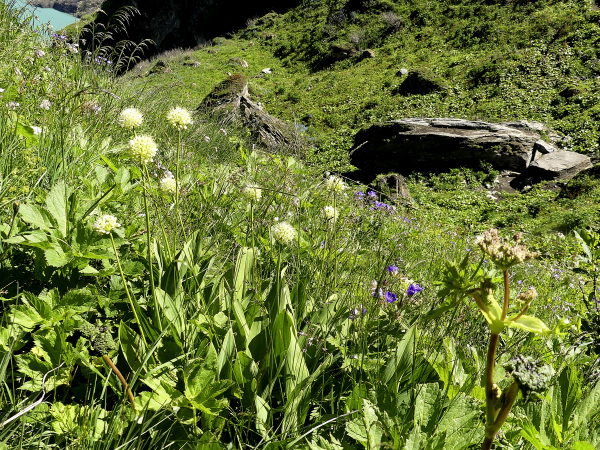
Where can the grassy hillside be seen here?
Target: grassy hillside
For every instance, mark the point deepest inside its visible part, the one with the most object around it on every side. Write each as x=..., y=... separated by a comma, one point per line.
x=167, y=283
x=496, y=61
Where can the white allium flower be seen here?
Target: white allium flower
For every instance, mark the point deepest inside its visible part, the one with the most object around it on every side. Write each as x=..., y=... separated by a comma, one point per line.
x=72, y=47
x=45, y=104
x=168, y=184
x=330, y=213
x=252, y=193
x=13, y=105
x=284, y=232
x=39, y=53
x=130, y=118
x=105, y=224
x=335, y=184
x=37, y=130
x=47, y=69
x=179, y=118
x=142, y=149
x=1, y=90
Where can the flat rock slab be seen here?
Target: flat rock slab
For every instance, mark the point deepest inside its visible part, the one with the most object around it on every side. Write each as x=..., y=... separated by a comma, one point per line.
x=439, y=144
x=560, y=165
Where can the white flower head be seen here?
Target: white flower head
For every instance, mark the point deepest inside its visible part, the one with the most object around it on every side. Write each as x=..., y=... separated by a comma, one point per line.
x=13, y=105
x=37, y=130
x=252, y=193
x=168, y=184
x=105, y=224
x=330, y=213
x=284, y=232
x=142, y=149
x=335, y=184
x=179, y=118
x=130, y=118
x=45, y=104
x=39, y=53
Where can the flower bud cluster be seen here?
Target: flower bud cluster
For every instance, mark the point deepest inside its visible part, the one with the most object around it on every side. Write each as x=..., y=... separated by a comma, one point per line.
x=252, y=193
x=105, y=224
x=525, y=298
x=532, y=376
x=335, y=184
x=503, y=254
x=284, y=232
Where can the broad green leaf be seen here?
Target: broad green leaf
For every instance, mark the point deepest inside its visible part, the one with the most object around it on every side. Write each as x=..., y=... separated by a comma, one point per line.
x=227, y=350
x=25, y=316
x=413, y=441
x=199, y=374
x=37, y=216
x=243, y=268
x=402, y=359
x=581, y=445
x=56, y=202
x=528, y=323
x=262, y=416
x=588, y=407
x=132, y=345
x=56, y=257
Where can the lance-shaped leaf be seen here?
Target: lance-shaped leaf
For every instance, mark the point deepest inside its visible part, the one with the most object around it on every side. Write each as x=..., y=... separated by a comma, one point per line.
x=528, y=323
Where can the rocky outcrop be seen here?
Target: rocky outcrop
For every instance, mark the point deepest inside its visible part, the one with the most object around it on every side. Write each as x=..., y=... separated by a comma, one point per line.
x=231, y=99
x=559, y=165
x=436, y=145
x=76, y=8
x=185, y=23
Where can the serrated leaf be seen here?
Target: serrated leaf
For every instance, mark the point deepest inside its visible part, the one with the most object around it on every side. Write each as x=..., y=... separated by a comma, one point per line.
x=25, y=316
x=56, y=202
x=37, y=216
x=56, y=257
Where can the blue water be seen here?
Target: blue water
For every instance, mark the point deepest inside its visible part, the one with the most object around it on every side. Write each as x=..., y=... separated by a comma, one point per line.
x=56, y=18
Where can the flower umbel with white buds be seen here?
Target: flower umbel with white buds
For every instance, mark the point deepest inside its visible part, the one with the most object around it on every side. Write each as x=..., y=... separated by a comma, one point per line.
x=330, y=213
x=168, y=184
x=179, y=118
x=105, y=224
x=142, y=149
x=130, y=118
x=252, y=193
x=284, y=232
x=502, y=254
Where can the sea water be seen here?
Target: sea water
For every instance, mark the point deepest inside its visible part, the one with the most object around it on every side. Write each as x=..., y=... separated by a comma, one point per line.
x=57, y=19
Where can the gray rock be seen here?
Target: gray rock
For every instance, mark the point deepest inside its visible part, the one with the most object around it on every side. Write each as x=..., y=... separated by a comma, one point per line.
x=367, y=54
x=239, y=61
x=393, y=186
x=438, y=144
x=541, y=148
x=421, y=81
x=231, y=99
x=266, y=70
x=559, y=165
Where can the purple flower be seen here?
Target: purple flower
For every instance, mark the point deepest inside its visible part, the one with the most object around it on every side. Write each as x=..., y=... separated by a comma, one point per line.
x=390, y=297
x=371, y=194
x=393, y=270
x=323, y=244
x=360, y=194
x=520, y=282
x=364, y=311
x=413, y=289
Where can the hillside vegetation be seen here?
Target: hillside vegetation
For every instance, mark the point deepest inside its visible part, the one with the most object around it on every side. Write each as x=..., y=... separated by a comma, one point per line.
x=167, y=283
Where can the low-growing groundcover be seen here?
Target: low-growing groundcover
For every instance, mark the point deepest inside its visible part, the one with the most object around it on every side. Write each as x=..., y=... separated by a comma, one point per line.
x=165, y=285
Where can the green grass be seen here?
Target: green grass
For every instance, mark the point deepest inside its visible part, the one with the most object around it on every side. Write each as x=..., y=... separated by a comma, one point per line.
x=227, y=336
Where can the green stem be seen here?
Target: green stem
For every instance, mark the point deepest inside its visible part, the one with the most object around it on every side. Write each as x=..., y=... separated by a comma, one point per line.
x=490, y=400
x=506, y=294
x=133, y=308
x=157, y=321
x=177, y=190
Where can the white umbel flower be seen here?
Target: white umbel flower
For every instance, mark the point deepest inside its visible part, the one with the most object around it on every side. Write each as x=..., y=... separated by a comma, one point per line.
x=335, y=184
x=130, y=118
x=45, y=104
x=284, y=232
x=142, y=149
x=105, y=224
x=330, y=213
x=179, y=118
x=168, y=185
x=252, y=193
